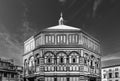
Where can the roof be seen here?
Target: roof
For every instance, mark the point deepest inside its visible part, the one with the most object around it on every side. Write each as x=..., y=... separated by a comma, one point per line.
x=62, y=27
x=111, y=66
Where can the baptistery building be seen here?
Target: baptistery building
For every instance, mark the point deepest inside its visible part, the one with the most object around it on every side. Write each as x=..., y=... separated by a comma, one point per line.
x=62, y=53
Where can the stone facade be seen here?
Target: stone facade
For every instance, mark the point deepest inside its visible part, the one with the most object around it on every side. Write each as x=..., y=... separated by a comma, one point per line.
x=9, y=71
x=110, y=73
x=62, y=53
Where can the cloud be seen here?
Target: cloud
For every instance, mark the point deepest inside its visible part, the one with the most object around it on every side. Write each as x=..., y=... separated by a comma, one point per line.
x=62, y=1
x=95, y=5
x=111, y=59
x=27, y=30
x=103, y=3
x=9, y=46
x=111, y=56
x=106, y=58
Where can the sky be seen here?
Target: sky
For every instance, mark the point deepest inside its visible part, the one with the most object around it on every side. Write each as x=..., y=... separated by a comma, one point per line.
x=20, y=19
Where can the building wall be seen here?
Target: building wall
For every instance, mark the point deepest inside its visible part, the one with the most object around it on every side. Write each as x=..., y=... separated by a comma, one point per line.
x=61, y=39
x=83, y=59
x=62, y=54
x=8, y=71
x=29, y=45
x=111, y=73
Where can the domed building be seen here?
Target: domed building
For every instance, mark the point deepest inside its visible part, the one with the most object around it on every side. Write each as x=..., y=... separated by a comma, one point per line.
x=62, y=53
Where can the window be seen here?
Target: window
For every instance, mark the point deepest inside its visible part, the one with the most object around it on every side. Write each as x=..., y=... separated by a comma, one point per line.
x=73, y=38
x=38, y=41
x=25, y=66
x=91, y=63
x=74, y=79
x=31, y=45
x=110, y=70
x=74, y=60
x=97, y=64
x=74, y=57
x=116, y=69
x=61, y=39
x=25, y=63
x=116, y=74
x=49, y=39
x=68, y=79
x=86, y=59
x=12, y=75
x=31, y=64
x=104, y=70
x=61, y=60
x=110, y=75
x=37, y=59
x=31, y=61
x=61, y=57
x=5, y=74
x=55, y=79
x=49, y=58
x=104, y=75
x=27, y=48
x=85, y=40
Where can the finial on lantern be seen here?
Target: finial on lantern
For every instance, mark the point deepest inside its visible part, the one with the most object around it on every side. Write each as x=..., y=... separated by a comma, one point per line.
x=61, y=20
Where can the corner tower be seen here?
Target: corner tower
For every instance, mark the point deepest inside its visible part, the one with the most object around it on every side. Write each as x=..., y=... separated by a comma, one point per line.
x=62, y=53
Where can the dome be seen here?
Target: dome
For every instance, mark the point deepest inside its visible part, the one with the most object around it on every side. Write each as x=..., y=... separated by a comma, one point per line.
x=62, y=27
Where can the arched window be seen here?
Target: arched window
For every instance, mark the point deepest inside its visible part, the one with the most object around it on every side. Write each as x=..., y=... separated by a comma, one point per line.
x=37, y=59
x=31, y=61
x=31, y=64
x=74, y=58
x=61, y=58
x=25, y=66
x=98, y=62
x=49, y=58
x=92, y=62
x=86, y=59
x=25, y=63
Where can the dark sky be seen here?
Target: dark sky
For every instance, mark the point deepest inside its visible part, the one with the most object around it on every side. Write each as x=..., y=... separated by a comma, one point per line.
x=20, y=19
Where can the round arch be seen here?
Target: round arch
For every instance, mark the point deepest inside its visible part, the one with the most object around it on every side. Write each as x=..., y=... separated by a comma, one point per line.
x=48, y=52
x=61, y=57
x=25, y=66
x=74, y=52
x=31, y=64
x=25, y=63
x=74, y=57
x=49, y=57
x=61, y=52
x=37, y=60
